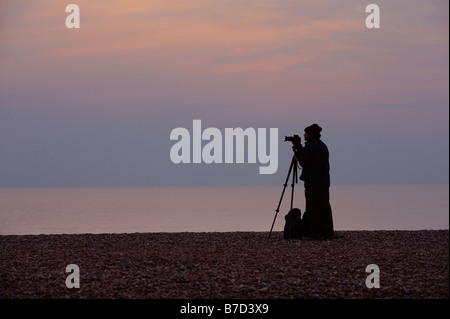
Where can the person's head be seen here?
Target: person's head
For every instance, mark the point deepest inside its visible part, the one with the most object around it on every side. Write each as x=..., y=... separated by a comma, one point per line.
x=312, y=132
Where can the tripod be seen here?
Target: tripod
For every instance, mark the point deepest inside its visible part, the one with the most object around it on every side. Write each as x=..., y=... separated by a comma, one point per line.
x=293, y=167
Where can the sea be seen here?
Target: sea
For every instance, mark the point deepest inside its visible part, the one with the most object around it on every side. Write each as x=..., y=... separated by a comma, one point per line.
x=214, y=209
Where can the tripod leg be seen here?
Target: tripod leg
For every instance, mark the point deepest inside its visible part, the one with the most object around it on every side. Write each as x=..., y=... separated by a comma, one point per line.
x=282, y=194
x=294, y=176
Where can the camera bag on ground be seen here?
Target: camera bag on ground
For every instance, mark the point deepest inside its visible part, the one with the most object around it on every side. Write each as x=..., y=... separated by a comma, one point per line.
x=294, y=225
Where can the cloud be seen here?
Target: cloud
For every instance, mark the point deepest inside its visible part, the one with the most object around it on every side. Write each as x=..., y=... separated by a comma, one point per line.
x=228, y=62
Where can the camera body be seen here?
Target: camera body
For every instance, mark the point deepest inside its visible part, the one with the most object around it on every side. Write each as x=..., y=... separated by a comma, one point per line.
x=296, y=140
x=296, y=143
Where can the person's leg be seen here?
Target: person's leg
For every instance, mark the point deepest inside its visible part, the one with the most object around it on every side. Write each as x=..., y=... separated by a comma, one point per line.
x=326, y=217
x=313, y=211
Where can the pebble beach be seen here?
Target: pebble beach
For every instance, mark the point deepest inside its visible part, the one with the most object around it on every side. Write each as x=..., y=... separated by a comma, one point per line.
x=226, y=265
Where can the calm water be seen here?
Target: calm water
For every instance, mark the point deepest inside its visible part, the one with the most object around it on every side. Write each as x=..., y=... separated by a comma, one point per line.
x=206, y=209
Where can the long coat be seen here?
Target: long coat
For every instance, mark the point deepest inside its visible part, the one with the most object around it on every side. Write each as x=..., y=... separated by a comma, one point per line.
x=318, y=219
x=314, y=160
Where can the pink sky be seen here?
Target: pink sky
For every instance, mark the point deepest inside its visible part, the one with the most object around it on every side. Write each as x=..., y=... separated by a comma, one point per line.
x=282, y=63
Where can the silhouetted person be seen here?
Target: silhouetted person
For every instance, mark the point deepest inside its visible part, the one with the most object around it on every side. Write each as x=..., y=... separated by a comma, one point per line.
x=314, y=160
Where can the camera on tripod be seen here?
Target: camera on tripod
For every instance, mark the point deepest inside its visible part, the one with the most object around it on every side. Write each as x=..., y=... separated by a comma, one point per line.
x=296, y=142
x=297, y=148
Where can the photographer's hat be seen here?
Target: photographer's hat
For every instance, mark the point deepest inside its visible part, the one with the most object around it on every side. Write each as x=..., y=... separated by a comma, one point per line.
x=314, y=130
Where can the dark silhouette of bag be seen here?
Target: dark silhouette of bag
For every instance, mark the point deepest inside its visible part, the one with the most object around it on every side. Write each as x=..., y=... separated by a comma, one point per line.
x=294, y=227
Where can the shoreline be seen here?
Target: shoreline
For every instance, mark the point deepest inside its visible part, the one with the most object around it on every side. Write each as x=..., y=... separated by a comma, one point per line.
x=413, y=264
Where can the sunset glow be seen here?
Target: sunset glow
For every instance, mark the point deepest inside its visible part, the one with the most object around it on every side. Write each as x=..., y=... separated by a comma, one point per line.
x=135, y=70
